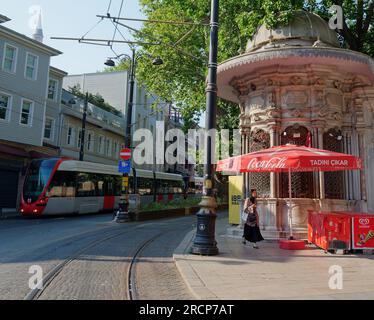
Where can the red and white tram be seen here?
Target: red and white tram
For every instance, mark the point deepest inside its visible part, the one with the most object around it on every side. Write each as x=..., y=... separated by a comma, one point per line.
x=63, y=186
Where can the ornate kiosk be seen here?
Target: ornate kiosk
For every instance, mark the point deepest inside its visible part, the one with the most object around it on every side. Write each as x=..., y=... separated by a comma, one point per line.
x=296, y=85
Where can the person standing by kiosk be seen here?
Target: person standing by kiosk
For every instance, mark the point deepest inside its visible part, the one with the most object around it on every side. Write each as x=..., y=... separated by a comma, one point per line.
x=252, y=231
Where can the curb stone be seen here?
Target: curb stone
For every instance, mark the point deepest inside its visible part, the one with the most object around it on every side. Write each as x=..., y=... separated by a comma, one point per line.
x=181, y=256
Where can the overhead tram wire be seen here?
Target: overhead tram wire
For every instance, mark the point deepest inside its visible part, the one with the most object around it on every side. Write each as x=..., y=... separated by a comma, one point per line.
x=109, y=6
x=116, y=27
x=160, y=43
x=158, y=21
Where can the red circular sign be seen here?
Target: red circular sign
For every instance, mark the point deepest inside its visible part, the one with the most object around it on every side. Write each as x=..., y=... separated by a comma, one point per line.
x=125, y=154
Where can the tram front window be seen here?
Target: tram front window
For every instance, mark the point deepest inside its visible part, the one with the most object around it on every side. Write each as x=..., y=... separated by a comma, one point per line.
x=37, y=177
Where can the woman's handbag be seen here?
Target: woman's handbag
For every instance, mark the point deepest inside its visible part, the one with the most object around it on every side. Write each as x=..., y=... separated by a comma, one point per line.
x=244, y=216
x=252, y=218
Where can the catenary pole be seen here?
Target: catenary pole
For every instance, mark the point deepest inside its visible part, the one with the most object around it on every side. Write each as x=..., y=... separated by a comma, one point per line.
x=123, y=211
x=204, y=242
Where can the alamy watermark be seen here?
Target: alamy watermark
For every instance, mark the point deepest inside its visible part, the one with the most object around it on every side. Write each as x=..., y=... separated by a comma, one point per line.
x=336, y=277
x=176, y=147
x=36, y=280
x=337, y=20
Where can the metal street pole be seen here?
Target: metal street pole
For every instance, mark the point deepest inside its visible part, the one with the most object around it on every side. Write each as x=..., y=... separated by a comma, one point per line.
x=123, y=211
x=84, y=118
x=204, y=242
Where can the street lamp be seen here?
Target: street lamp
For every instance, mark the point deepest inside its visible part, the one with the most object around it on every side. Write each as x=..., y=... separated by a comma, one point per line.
x=204, y=242
x=123, y=211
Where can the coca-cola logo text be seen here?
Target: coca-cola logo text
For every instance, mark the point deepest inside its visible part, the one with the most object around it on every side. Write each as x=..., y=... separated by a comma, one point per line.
x=273, y=163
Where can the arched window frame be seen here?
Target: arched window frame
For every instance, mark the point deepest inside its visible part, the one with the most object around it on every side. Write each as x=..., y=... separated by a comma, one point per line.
x=302, y=182
x=334, y=181
x=259, y=140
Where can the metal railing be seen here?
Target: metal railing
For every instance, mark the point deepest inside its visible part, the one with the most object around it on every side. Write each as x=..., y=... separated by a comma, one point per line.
x=98, y=114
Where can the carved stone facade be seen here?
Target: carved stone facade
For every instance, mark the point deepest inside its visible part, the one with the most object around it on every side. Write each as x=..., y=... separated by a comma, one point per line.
x=298, y=91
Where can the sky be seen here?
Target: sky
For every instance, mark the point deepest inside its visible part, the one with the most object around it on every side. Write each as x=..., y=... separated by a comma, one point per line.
x=73, y=18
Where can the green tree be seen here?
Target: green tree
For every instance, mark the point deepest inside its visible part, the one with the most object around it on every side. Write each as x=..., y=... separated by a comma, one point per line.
x=184, y=49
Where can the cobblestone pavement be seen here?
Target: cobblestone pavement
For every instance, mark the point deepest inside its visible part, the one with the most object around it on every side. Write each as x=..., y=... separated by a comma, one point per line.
x=156, y=274
x=99, y=272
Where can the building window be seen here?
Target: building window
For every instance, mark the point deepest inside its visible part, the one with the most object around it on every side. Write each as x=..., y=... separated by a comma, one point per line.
x=26, y=113
x=302, y=182
x=115, y=148
x=101, y=145
x=52, y=89
x=108, y=149
x=31, y=68
x=49, y=128
x=79, y=138
x=10, y=58
x=5, y=103
x=71, y=136
x=334, y=181
x=90, y=141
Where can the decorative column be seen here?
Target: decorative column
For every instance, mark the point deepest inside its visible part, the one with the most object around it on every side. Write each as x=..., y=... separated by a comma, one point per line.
x=272, y=213
x=347, y=193
x=321, y=174
x=356, y=192
x=361, y=153
x=247, y=178
x=273, y=176
x=314, y=133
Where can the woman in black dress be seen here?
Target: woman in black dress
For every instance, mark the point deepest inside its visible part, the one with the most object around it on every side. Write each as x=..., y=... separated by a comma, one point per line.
x=252, y=231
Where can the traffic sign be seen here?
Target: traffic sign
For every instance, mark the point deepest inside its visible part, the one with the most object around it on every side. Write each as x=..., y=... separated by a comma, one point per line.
x=125, y=154
x=124, y=166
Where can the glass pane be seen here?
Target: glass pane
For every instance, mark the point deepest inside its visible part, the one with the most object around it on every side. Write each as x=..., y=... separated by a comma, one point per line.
x=37, y=177
x=4, y=101
x=31, y=60
x=52, y=89
x=2, y=113
x=63, y=184
x=8, y=65
x=26, y=107
x=10, y=53
x=25, y=118
x=47, y=133
x=30, y=72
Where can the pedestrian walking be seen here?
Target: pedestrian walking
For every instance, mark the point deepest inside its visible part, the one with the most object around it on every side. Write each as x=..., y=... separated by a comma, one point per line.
x=252, y=231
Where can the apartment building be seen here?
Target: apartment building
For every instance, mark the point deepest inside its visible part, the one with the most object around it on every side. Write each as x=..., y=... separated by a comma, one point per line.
x=147, y=108
x=24, y=83
x=104, y=132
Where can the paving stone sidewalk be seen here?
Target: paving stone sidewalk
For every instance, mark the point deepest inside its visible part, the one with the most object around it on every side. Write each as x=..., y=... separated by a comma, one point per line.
x=241, y=272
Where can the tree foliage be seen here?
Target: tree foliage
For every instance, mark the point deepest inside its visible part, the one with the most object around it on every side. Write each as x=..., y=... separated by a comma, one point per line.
x=185, y=49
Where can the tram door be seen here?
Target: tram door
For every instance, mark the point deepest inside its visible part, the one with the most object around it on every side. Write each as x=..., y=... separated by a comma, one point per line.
x=8, y=188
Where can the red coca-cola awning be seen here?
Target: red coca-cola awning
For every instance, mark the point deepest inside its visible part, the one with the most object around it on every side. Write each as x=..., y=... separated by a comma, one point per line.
x=290, y=158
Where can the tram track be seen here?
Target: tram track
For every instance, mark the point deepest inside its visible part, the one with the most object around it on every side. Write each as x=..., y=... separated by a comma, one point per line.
x=131, y=278
x=131, y=291
x=34, y=294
